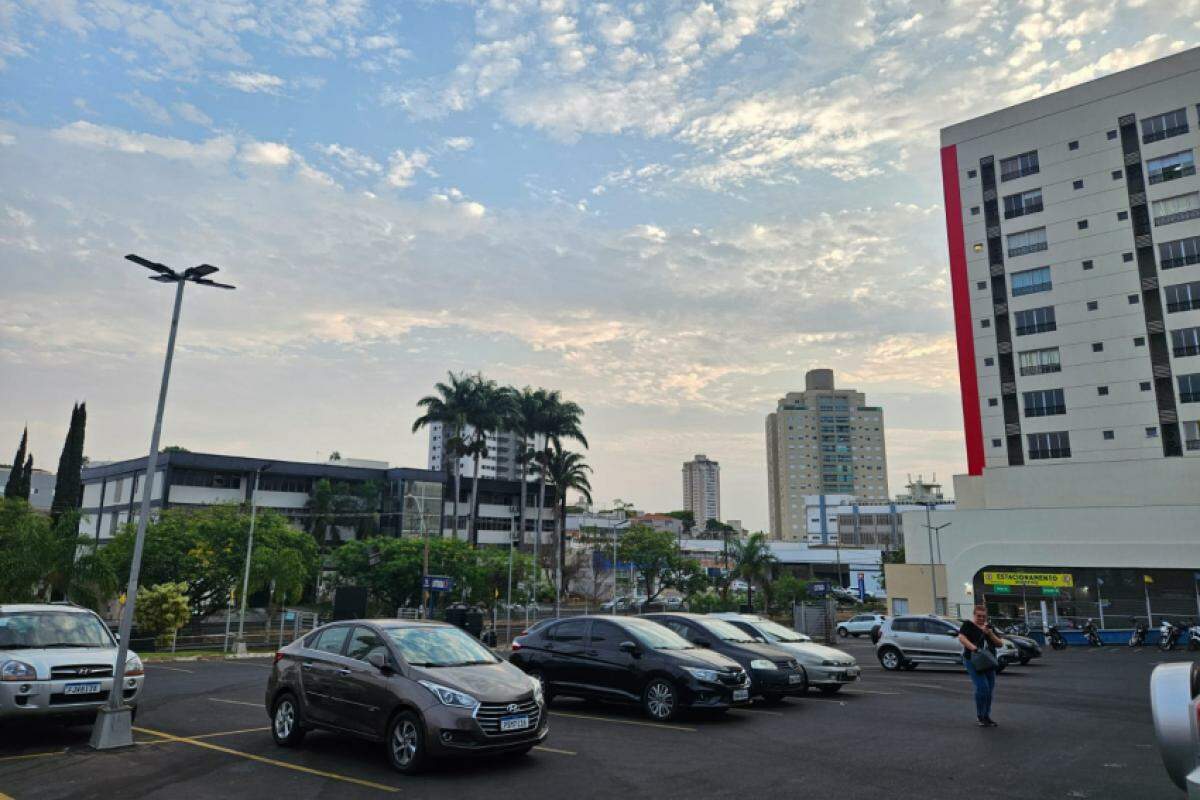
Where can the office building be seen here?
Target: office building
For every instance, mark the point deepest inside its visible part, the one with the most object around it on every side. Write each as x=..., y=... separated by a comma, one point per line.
x=702, y=489
x=41, y=487
x=1074, y=229
x=500, y=462
x=823, y=440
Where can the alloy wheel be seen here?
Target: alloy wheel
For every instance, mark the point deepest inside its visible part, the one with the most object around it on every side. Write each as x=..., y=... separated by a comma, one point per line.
x=405, y=741
x=285, y=719
x=660, y=700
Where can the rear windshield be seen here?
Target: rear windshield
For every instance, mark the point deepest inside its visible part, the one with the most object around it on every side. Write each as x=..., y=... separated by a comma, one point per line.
x=655, y=636
x=724, y=631
x=26, y=630
x=778, y=633
x=439, y=647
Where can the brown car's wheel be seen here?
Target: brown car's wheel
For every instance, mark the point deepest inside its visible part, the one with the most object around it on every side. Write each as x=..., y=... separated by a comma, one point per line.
x=286, y=728
x=406, y=743
x=660, y=700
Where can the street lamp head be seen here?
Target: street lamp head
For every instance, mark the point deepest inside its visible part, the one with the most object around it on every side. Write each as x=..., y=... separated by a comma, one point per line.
x=198, y=274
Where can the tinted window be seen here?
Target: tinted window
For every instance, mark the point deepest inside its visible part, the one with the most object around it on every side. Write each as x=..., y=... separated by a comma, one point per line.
x=332, y=639
x=724, y=631
x=936, y=628
x=572, y=631
x=363, y=642
x=678, y=627
x=906, y=625
x=607, y=636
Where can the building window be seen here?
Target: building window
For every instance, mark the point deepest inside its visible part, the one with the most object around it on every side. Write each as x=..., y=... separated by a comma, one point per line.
x=977, y=247
x=1171, y=167
x=1191, y=435
x=1144, y=386
x=995, y=442
x=1175, y=209
x=1152, y=432
x=989, y=362
x=1039, y=362
x=1035, y=320
x=1082, y=224
x=1133, y=299
x=1122, y=216
x=1092, y=305
x=985, y=323
x=1189, y=388
x=1127, y=257
x=1183, y=297
x=1031, y=281
x=1102, y=391
x=1056, y=444
x=1164, y=126
x=1073, y=145
x=981, y=285
x=1109, y=436
x=1179, y=252
x=1097, y=347
x=1019, y=166
x=1018, y=205
x=992, y=402
x=1139, y=341
x=1112, y=135
x=1044, y=403
x=1088, y=264
x=1185, y=342
x=1077, y=185
x=970, y=173
x=1117, y=175
x=1031, y=241
x=974, y=211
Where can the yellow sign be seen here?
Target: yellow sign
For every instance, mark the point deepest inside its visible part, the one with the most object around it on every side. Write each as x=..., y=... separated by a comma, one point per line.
x=1062, y=580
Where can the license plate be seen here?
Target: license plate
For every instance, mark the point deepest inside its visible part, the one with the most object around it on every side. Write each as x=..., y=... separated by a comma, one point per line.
x=82, y=688
x=513, y=724
x=741, y=694
x=850, y=675
x=795, y=678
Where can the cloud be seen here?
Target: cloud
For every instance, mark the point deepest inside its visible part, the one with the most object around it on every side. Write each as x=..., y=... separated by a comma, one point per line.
x=148, y=107
x=350, y=160
x=190, y=113
x=252, y=82
x=403, y=167
x=272, y=154
x=87, y=134
x=459, y=143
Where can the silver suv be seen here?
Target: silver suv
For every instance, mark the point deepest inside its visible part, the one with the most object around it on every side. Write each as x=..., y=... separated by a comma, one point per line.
x=57, y=661
x=905, y=642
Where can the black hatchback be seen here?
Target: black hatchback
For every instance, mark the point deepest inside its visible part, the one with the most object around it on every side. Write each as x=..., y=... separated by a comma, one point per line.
x=774, y=672
x=629, y=660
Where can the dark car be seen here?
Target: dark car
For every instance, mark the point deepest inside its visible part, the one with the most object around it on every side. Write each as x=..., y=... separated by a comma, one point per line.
x=1027, y=648
x=774, y=672
x=427, y=689
x=629, y=660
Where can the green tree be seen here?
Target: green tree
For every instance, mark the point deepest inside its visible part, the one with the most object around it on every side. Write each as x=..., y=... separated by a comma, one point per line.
x=686, y=517
x=789, y=590
x=653, y=554
x=686, y=576
x=557, y=421
x=753, y=563
x=524, y=416
x=391, y=569
x=489, y=575
x=487, y=410
x=15, y=486
x=27, y=551
x=68, y=484
x=162, y=610
x=449, y=408
x=566, y=470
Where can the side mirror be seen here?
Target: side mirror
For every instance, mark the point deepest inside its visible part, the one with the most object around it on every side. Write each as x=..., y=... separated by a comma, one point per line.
x=952, y=633
x=379, y=661
x=628, y=647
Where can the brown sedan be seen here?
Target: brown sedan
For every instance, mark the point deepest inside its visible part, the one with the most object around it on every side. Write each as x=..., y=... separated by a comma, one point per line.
x=426, y=689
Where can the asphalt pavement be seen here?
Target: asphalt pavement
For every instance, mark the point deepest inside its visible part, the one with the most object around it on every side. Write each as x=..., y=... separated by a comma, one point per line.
x=1075, y=724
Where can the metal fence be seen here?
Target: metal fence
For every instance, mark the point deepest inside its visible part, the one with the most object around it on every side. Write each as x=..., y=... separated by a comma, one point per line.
x=286, y=626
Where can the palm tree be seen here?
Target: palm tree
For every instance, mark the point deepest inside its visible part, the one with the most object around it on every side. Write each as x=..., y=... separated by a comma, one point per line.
x=449, y=408
x=556, y=420
x=525, y=409
x=486, y=411
x=566, y=470
x=753, y=561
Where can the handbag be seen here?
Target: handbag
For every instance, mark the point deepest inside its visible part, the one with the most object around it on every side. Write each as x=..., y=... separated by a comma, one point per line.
x=984, y=660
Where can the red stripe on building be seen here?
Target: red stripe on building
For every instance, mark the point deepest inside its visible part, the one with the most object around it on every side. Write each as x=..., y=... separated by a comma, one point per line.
x=960, y=286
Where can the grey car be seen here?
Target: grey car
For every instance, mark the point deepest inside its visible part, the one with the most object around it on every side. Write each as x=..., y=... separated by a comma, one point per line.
x=828, y=668
x=904, y=642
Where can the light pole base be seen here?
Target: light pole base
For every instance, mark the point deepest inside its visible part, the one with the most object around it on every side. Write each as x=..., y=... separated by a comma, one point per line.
x=239, y=649
x=113, y=729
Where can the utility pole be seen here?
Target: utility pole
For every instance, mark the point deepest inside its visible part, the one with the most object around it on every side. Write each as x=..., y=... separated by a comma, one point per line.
x=930, y=530
x=240, y=648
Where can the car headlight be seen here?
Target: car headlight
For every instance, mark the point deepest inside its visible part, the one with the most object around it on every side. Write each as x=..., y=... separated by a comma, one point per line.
x=451, y=697
x=762, y=663
x=537, y=690
x=133, y=666
x=828, y=663
x=17, y=671
x=709, y=675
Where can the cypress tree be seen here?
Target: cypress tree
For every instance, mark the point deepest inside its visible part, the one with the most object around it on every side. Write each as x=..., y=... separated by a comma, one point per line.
x=16, y=477
x=68, y=484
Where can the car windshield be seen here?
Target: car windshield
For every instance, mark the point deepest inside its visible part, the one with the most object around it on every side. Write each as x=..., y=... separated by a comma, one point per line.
x=28, y=630
x=778, y=633
x=439, y=647
x=724, y=631
x=655, y=636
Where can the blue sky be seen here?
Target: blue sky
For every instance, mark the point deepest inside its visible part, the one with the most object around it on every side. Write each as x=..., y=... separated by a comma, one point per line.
x=668, y=210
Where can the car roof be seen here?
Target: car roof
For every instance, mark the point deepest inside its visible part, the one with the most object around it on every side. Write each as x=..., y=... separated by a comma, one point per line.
x=394, y=623
x=18, y=608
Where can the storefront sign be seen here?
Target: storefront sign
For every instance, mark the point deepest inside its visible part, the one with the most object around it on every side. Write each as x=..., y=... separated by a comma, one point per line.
x=1062, y=580
x=1002, y=589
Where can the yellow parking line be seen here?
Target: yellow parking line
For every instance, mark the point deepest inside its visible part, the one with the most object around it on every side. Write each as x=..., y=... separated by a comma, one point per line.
x=230, y=733
x=32, y=755
x=625, y=721
x=536, y=747
x=273, y=762
x=3, y=796
x=235, y=702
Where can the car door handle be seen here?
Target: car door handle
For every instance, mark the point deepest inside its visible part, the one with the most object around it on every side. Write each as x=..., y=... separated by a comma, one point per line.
x=343, y=672
x=307, y=665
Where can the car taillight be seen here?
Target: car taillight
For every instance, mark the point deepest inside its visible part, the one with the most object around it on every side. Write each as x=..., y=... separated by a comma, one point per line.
x=516, y=645
x=278, y=657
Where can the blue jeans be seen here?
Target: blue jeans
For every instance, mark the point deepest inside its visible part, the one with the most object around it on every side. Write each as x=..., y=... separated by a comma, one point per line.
x=985, y=685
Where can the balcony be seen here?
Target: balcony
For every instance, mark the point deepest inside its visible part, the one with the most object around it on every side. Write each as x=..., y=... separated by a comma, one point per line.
x=1041, y=369
x=1190, y=258
x=1182, y=305
x=1186, y=350
x=1191, y=444
x=1053, y=452
x=1040, y=327
x=1167, y=133
x=1045, y=411
x=1171, y=174
x=1037, y=247
x=1032, y=208
x=1191, y=213
x=1034, y=288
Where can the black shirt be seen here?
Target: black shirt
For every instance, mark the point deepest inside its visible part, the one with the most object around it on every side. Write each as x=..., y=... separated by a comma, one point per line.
x=975, y=635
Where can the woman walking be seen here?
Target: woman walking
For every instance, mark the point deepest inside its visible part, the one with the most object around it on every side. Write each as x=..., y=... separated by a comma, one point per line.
x=976, y=634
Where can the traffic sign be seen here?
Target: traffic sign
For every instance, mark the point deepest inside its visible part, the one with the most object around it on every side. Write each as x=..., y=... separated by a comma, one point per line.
x=818, y=588
x=1001, y=590
x=1050, y=590
x=437, y=583
x=862, y=587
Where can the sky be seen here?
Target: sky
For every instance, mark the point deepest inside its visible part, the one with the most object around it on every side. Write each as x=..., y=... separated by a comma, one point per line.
x=667, y=210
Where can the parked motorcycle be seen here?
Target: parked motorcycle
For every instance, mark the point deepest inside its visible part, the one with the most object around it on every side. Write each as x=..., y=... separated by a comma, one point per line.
x=1138, y=637
x=1092, y=635
x=1169, y=634
x=1056, y=639
x=1193, y=637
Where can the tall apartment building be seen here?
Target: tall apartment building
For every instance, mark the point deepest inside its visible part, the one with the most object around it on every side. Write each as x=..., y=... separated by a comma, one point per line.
x=1074, y=230
x=702, y=489
x=500, y=462
x=823, y=440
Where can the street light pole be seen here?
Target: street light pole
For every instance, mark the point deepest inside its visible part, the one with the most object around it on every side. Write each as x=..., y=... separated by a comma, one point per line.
x=114, y=722
x=240, y=647
x=930, y=530
x=614, y=564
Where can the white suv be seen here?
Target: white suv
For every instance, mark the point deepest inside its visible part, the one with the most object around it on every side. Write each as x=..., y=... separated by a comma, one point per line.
x=859, y=625
x=904, y=642
x=57, y=661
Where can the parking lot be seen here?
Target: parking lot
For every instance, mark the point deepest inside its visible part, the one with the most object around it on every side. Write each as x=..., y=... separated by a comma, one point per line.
x=1075, y=724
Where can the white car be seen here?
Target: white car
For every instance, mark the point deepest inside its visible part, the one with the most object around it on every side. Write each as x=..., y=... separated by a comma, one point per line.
x=57, y=661
x=828, y=669
x=859, y=625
